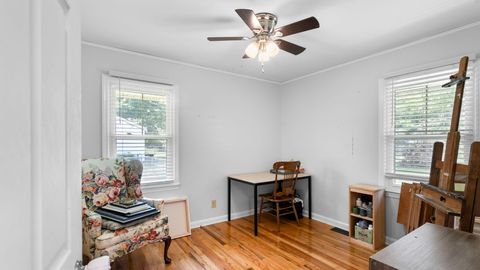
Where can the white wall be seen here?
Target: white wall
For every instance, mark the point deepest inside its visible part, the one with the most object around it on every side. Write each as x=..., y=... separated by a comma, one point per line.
x=228, y=124
x=330, y=121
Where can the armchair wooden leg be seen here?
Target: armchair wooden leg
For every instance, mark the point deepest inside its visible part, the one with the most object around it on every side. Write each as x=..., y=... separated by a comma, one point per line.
x=168, y=241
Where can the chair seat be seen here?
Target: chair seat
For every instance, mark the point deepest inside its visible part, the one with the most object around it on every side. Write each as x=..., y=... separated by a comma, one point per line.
x=279, y=198
x=283, y=193
x=279, y=194
x=148, y=230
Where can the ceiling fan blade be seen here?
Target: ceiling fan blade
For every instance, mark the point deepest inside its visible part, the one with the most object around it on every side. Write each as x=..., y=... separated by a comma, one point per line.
x=248, y=16
x=297, y=27
x=289, y=47
x=245, y=56
x=226, y=38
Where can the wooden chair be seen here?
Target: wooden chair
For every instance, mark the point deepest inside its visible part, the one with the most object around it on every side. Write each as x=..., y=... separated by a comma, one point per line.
x=283, y=199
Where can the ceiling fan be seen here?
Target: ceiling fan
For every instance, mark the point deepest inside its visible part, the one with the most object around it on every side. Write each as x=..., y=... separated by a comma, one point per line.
x=267, y=39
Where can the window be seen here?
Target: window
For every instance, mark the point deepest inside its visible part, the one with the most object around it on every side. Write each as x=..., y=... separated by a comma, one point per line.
x=417, y=113
x=139, y=122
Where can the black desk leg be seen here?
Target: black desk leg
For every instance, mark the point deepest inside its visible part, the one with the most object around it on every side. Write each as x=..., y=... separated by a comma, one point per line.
x=229, y=198
x=310, y=197
x=255, y=221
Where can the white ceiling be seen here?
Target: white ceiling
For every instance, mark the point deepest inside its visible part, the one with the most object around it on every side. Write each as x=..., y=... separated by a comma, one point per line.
x=349, y=29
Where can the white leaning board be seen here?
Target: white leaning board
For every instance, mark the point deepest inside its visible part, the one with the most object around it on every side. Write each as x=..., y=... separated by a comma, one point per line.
x=178, y=217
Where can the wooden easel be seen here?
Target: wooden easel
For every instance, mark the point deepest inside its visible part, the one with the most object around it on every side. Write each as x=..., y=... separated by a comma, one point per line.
x=437, y=201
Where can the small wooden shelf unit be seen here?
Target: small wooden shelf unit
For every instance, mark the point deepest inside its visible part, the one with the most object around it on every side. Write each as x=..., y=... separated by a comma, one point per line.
x=375, y=194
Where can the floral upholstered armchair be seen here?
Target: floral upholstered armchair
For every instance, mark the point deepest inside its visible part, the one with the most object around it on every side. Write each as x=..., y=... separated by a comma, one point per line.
x=117, y=180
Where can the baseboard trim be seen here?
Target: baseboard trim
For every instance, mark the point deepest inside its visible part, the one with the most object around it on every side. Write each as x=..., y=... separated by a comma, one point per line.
x=327, y=220
x=389, y=240
x=218, y=219
x=315, y=216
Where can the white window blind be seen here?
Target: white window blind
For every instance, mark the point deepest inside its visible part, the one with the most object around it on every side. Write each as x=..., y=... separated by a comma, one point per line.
x=418, y=113
x=139, y=122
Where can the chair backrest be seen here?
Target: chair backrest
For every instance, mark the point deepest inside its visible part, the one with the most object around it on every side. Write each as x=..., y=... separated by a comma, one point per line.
x=133, y=177
x=288, y=172
x=107, y=180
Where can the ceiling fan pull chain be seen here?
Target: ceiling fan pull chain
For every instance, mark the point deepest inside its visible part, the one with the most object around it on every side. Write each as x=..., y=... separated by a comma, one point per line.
x=263, y=70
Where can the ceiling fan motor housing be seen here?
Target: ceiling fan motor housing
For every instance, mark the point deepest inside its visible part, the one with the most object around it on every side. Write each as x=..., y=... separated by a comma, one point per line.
x=268, y=21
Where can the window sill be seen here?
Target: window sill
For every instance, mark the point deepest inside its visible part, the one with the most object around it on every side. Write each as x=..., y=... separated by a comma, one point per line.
x=159, y=186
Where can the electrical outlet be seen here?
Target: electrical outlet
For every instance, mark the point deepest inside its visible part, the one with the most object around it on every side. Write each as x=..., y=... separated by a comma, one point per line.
x=214, y=203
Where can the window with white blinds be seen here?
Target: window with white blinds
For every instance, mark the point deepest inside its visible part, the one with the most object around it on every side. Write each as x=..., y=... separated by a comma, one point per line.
x=139, y=122
x=418, y=113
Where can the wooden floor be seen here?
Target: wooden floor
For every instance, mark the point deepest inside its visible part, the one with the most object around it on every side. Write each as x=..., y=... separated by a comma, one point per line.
x=231, y=245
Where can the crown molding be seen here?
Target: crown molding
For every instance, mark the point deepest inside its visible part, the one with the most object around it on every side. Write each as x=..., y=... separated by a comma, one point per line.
x=423, y=40
x=117, y=49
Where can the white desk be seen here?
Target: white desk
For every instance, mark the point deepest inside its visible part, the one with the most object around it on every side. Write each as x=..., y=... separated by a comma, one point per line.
x=259, y=179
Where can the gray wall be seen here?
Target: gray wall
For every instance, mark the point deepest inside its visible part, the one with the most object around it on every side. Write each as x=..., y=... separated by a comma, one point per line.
x=330, y=121
x=228, y=124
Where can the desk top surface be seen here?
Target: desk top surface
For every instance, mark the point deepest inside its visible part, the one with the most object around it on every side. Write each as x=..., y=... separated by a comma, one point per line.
x=260, y=177
x=431, y=247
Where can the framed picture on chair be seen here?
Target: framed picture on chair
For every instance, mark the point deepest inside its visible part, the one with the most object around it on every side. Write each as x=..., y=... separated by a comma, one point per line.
x=178, y=216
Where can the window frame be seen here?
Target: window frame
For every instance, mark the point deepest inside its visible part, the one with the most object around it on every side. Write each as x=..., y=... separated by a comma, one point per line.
x=107, y=150
x=385, y=181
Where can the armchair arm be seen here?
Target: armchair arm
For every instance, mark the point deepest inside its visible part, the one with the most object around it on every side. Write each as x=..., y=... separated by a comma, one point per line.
x=92, y=223
x=157, y=203
x=91, y=229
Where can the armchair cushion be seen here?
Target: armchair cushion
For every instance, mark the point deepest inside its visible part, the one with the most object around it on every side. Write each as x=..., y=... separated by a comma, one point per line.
x=148, y=230
x=138, y=241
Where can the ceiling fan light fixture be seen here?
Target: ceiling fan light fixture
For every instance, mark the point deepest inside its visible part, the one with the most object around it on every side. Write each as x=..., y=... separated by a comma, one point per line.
x=263, y=56
x=278, y=34
x=252, y=50
x=272, y=48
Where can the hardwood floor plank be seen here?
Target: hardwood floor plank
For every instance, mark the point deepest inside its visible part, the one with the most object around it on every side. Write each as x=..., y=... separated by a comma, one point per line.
x=312, y=243
x=272, y=243
x=257, y=253
x=231, y=245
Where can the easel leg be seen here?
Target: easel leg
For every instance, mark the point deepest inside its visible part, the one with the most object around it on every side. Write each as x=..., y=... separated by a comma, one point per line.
x=472, y=190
